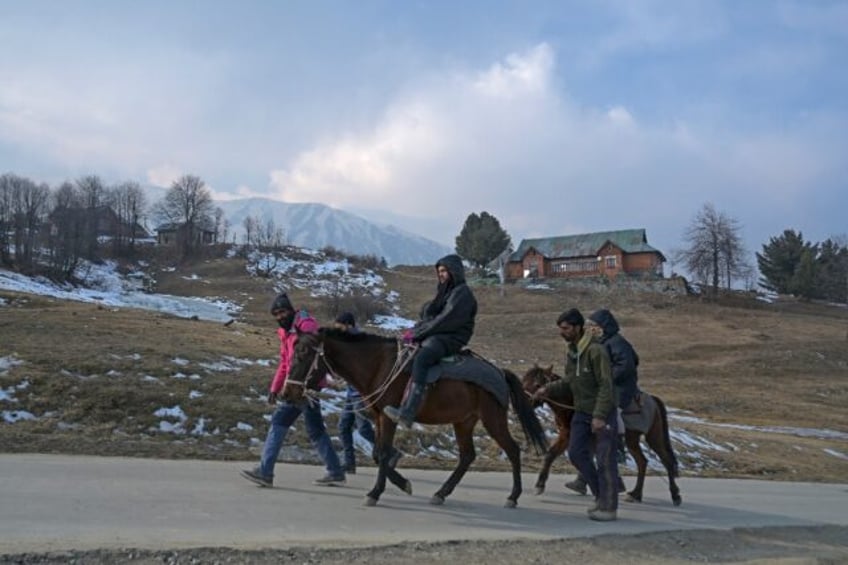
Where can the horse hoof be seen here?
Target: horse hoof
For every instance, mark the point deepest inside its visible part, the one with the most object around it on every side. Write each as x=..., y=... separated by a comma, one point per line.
x=631, y=498
x=510, y=504
x=369, y=501
x=437, y=500
x=407, y=488
x=677, y=500
x=539, y=490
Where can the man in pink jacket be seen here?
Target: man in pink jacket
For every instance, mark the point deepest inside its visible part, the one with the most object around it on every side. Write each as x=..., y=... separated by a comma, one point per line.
x=292, y=323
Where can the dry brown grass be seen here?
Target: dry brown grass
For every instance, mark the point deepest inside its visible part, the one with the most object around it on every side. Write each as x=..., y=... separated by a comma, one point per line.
x=739, y=362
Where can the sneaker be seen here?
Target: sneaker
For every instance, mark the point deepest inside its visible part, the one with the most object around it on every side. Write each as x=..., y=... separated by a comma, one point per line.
x=599, y=515
x=593, y=508
x=330, y=481
x=255, y=476
x=577, y=485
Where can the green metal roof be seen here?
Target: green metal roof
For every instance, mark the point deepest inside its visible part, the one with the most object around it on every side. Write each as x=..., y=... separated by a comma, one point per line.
x=585, y=244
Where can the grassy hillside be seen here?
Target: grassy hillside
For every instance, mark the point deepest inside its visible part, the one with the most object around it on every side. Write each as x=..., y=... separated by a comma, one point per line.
x=735, y=373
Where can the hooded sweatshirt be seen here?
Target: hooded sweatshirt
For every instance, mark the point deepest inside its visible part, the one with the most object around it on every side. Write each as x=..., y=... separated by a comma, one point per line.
x=450, y=316
x=303, y=323
x=623, y=358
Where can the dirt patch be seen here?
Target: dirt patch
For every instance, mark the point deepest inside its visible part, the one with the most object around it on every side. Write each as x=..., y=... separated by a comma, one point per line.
x=825, y=544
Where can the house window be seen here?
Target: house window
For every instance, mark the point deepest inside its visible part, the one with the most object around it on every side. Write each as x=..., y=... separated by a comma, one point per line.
x=574, y=266
x=611, y=262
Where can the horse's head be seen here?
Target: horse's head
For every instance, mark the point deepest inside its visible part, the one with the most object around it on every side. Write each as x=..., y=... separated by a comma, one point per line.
x=307, y=367
x=537, y=377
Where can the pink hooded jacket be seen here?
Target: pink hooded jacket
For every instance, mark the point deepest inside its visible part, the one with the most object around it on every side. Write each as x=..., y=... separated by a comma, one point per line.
x=303, y=323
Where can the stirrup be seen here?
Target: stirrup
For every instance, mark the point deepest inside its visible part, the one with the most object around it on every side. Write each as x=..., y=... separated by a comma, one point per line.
x=396, y=415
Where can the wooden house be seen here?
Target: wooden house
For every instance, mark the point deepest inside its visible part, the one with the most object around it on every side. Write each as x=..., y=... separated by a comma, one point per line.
x=610, y=254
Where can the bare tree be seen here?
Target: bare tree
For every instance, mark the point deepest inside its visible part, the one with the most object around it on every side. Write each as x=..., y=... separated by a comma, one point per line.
x=6, y=219
x=251, y=226
x=128, y=202
x=188, y=206
x=66, y=239
x=714, y=251
x=23, y=208
x=92, y=194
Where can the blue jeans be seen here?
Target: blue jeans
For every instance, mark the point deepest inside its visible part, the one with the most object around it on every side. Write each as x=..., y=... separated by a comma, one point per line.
x=603, y=479
x=352, y=416
x=283, y=417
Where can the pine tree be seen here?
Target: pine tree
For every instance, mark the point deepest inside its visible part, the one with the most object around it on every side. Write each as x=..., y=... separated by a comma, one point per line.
x=482, y=239
x=780, y=259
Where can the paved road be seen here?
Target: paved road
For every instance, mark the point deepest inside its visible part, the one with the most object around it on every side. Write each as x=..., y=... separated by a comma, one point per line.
x=55, y=502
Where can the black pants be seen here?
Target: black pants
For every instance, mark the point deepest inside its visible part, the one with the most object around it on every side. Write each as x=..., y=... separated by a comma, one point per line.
x=432, y=351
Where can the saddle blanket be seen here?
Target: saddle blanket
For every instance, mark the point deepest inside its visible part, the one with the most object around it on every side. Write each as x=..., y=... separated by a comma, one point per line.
x=466, y=367
x=639, y=415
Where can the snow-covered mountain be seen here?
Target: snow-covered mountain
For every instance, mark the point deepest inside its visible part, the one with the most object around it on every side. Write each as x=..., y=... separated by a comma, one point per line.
x=316, y=226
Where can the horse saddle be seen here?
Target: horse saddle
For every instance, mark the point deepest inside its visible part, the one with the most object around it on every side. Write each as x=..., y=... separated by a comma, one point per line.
x=466, y=366
x=639, y=414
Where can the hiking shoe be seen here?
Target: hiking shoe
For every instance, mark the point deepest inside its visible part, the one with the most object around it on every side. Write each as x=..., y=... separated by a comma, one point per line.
x=255, y=476
x=599, y=515
x=578, y=485
x=330, y=481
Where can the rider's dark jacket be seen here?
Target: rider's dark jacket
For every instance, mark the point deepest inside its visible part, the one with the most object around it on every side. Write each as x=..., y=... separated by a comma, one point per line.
x=450, y=318
x=623, y=358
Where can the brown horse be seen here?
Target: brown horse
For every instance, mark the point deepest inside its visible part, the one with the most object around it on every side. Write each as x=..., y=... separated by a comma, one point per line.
x=371, y=364
x=658, y=438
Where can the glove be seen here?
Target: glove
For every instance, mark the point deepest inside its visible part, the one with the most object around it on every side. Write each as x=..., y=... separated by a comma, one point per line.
x=408, y=337
x=272, y=398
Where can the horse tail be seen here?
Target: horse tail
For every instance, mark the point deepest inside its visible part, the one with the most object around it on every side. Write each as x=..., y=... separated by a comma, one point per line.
x=533, y=430
x=667, y=435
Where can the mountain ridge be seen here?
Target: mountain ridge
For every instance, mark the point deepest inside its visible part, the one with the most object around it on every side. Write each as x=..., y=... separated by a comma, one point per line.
x=315, y=226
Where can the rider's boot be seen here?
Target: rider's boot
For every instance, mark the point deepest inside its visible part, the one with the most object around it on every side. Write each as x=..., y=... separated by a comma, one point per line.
x=406, y=414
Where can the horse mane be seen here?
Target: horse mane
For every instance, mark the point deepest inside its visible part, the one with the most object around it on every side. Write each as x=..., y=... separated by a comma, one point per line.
x=337, y=334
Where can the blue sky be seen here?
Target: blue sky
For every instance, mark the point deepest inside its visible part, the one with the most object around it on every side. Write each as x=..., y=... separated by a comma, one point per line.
x=557, y=117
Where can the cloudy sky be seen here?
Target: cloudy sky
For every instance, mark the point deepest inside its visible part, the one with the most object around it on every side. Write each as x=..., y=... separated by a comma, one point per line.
x=557, y=117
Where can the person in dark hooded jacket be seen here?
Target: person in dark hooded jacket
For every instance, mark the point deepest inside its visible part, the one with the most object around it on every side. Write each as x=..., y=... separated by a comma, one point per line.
x=446, y=326
x=624, y=360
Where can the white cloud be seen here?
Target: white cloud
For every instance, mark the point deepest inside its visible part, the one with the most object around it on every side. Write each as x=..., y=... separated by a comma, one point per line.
x=163, y=175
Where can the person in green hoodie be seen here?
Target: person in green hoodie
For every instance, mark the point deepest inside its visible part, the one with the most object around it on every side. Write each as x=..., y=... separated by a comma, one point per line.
x=593, y=426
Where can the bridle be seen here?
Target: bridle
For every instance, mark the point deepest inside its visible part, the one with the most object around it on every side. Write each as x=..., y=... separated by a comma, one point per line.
x=548, y=399
x=402, y=359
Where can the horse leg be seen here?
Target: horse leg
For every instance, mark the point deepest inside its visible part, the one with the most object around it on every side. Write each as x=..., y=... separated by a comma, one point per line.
x=379, y=454
x=555, y=451
x=463, y=431
x=394, y=475
x=631, y=438
x=497, y=426
x=387, y=434
x=656, y=441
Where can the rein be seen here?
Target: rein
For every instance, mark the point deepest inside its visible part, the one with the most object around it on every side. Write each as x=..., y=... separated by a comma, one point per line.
x=402, y=359
x=549, y=400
